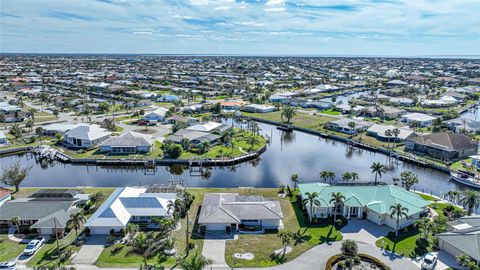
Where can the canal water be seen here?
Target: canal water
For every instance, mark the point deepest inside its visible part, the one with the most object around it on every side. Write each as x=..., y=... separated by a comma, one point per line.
x=288, y=153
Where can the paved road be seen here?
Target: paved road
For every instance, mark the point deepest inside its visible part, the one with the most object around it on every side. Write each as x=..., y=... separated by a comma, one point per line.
x=317, y=257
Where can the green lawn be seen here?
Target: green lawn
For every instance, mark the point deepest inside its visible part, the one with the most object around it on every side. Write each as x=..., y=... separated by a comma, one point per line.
x=301, y=120
x=240, y=147
x=438, y=207
x=331, y=112
x=262, y=246
x=9, y=250
x=405, y=243
x=426, y=196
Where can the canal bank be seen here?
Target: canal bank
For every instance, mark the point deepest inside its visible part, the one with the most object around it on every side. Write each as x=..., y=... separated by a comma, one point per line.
x=288, y=153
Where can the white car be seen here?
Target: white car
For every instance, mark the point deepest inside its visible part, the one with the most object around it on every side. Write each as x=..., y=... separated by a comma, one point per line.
x=429, y=261
x=12, y=265
x=32, y=247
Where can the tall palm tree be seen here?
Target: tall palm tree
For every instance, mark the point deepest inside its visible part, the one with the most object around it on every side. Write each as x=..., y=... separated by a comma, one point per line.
x=354, y=176
x=324, y=175
x=16, y=221
x=294, y=179
x=196, y=262
x=77, y=219
x=346, y=176
x=337, y=199
x=398, y=211
x=311, y=200
x=331, y=176
x=470, y=200
x=286, y=238
x=378, y=169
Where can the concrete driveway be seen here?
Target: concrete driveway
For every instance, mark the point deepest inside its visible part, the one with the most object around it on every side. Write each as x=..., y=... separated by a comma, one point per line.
x=215, y=249
x=445, y=261
x=90, y=250
x=364, y=231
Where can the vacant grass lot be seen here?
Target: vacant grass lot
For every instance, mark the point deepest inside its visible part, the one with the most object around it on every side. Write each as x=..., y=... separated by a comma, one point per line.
x=262, y=246
x=303, y=120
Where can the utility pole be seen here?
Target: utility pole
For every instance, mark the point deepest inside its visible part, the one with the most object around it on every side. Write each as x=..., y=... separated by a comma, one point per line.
x=187, y=235
x=56, y=239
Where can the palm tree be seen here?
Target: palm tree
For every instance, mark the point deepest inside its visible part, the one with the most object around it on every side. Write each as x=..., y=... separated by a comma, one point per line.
x=377, y=169
x=337, y=199
x=131, y=230
x=77, y=219
x=331, y=176
x=16, y=221
x=311, y=200
x=196, y=262
x=354, y=176
x=288, y=113
x=398, y=211
x=286, y=238
x=205, y=147
x=294, y=179
x=470, y=200
x=463, y=260
x=324, y=175
x=346, y=176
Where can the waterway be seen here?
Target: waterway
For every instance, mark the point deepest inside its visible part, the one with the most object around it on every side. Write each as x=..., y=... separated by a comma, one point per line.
x=287, y=154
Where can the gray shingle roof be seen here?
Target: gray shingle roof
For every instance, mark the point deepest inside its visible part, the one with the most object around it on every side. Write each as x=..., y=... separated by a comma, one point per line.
x=129, y=139
x=232, y=208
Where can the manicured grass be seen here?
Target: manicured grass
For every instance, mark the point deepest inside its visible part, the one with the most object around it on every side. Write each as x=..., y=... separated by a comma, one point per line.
x=438, y=207
x=9, y=250
x=331, y=112
x=458, y=165
x=240, y=147
x=301, y=119
x=426, y=196
x=405, y=243
x=119, y=255
x=262, y=246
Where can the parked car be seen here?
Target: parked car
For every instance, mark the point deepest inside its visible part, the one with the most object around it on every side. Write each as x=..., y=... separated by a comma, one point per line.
x=33, y=246
x=12, y=265
x=429, y=261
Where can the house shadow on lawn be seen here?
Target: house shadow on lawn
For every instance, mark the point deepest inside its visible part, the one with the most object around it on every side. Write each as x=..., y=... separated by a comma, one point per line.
x=419, y=246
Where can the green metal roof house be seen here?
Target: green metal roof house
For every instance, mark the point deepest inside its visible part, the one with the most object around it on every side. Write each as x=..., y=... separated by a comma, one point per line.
x=364, y=200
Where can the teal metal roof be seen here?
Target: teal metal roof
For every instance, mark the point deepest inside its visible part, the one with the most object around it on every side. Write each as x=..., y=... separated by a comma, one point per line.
x=378, y=198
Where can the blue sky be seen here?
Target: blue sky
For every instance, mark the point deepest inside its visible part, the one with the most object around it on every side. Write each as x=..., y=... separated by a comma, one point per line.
x=367, y=27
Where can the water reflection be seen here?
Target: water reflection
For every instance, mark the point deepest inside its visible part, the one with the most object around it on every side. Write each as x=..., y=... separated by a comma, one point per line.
x=288, y=153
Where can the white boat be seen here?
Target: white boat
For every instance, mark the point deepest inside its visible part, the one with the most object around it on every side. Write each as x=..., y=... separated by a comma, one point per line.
x=465, y=178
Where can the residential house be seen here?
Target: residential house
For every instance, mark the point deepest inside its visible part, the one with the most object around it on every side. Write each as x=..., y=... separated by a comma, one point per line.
x=3, y=138
x=402, y=101
x=158, y=115
x=460, y=124
x=128, y=143
x=168, y=98
x=258, y=108
x=130, y=204
x=221, y=211
x=365, y=201
x=85, y=136
x=44, y=210
x=422, y=119
x=443, y=145
x=5, y=195
x=343, y=125
x=176, y=119
x=194, y=137
x=378, y=131
x=210, y=127
x=232, y=105
x=462, y=237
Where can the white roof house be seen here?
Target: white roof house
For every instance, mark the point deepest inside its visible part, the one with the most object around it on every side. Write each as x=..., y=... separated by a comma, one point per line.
x=129, y=204
x=379, y=131
x=423, y=119
x=157, y=115
x=85, y=136
x=208, y=127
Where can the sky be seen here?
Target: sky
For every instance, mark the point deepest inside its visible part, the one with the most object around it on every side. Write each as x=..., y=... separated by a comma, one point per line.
x=246, y=27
